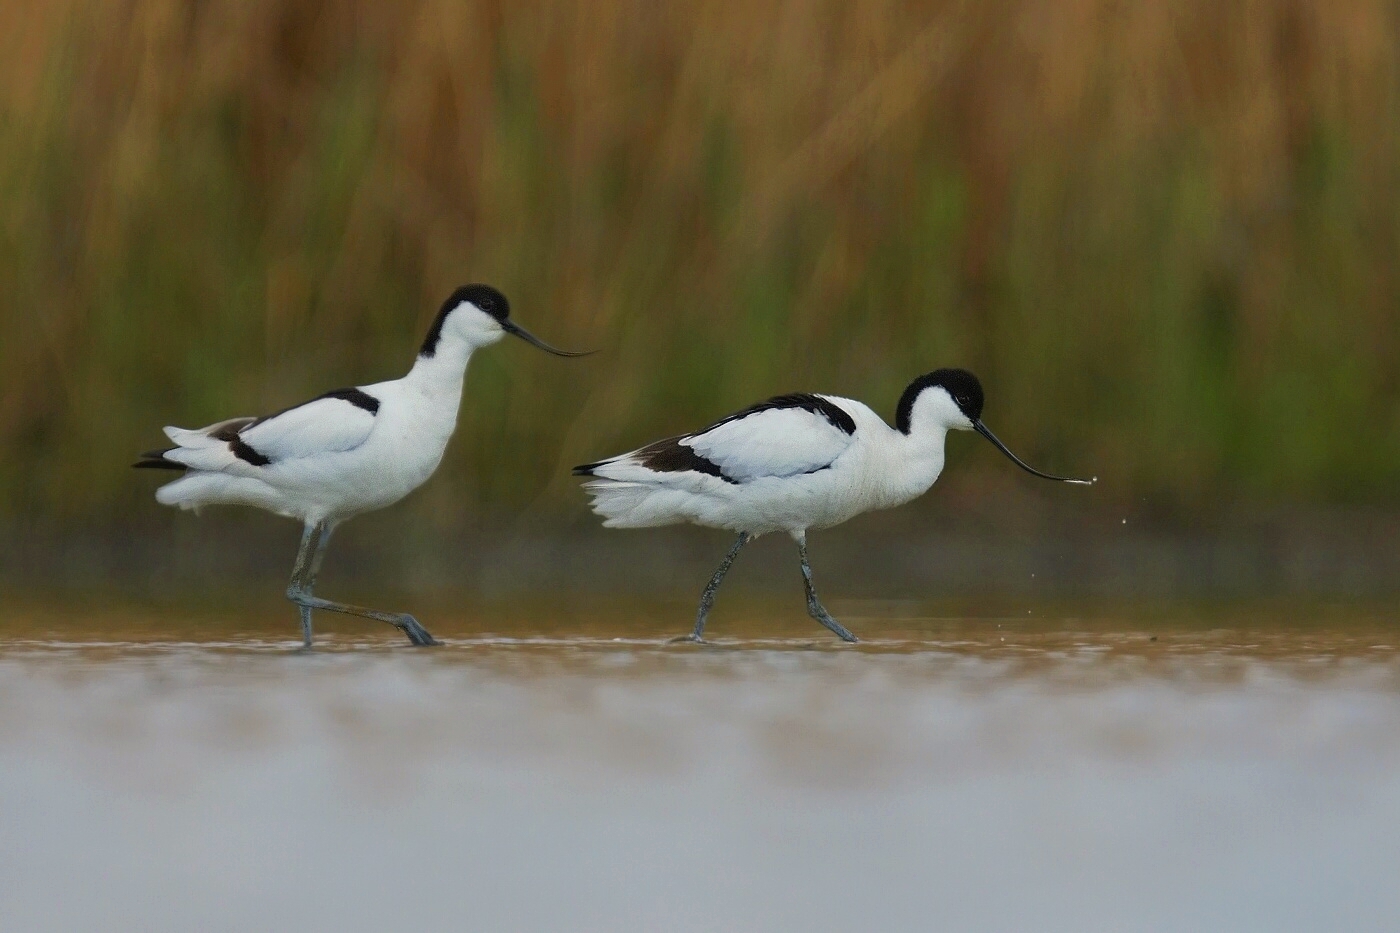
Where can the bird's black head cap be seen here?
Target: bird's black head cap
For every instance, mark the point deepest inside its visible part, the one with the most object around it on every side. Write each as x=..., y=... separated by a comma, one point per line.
x=485, y=297
x=964, y=388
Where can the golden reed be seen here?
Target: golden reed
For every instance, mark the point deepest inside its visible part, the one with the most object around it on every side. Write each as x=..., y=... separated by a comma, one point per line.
x=1166, y=234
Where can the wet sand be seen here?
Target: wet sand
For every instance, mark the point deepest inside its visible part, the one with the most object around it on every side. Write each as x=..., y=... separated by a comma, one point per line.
x=1151, y=769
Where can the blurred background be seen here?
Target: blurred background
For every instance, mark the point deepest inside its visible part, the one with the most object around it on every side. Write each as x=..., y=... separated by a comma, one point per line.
x=1164, y=235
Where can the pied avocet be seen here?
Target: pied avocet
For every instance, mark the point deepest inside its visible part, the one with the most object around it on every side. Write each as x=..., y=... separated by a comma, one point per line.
x=789, y=464
x=345, y=452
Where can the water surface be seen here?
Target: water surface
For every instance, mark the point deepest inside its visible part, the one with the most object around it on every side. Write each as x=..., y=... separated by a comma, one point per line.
x=558, y=769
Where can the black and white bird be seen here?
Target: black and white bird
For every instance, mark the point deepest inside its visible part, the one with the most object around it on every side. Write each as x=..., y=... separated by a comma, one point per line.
x=345, y=452
x=789, y=464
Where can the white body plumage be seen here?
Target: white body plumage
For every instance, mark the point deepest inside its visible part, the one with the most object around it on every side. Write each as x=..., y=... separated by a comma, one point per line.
x=782, y=469
x=331, y=458
x=789, y=464
x=351, y=450
x=346, y=452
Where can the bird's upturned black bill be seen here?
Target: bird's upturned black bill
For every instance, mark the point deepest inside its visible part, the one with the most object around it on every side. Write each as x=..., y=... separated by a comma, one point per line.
x=513, y=328
x=983, y=430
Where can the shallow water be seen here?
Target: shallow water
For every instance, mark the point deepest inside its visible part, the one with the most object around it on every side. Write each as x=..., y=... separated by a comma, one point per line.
x=1134, y=769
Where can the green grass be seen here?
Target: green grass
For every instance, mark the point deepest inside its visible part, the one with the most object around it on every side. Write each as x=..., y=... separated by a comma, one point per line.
x=1167, y=241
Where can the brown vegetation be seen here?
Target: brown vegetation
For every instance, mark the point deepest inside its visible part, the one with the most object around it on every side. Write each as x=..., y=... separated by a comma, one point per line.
x=1165, y=234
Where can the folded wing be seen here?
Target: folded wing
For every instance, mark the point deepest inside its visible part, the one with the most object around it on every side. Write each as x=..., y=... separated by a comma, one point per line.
x=785, y=436
x=335, y=422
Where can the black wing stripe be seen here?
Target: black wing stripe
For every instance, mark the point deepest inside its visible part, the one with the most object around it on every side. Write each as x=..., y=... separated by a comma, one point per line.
x=246, y=453
x=671, y=456
x=241, y=448
x=837, y=416
x=357, y=397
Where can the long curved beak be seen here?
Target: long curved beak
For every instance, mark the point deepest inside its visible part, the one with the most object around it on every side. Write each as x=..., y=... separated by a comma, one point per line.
x=986, y=432
x=511, y=327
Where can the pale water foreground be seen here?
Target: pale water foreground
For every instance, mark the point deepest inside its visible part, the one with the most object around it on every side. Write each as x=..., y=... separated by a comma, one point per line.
x=1140, y=770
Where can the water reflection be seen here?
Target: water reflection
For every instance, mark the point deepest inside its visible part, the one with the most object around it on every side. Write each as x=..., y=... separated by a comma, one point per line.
x=947, y=774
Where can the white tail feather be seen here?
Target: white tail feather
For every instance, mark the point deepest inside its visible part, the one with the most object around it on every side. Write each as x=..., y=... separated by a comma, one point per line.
x=192, y=439
x=214, y=459
x=634, y=505
x=204, y=437
x=196, y=490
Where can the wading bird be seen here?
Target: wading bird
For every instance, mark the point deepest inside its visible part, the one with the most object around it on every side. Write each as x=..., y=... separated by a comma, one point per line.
x=345, y=452
x=789, y=464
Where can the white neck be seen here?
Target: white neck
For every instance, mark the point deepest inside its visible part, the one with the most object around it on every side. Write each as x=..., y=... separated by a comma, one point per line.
x=913, y=463
x=444, y=371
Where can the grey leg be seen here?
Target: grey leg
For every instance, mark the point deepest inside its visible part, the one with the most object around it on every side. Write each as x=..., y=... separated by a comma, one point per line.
x=815, y=609
x=303, y=576
x=707, y=598
x=299, y=591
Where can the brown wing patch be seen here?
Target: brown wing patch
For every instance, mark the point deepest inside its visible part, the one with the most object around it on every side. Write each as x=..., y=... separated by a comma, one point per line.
x=671, y=456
